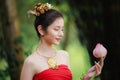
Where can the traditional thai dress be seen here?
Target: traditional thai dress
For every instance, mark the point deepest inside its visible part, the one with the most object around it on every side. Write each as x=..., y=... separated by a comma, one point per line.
x=62, y=73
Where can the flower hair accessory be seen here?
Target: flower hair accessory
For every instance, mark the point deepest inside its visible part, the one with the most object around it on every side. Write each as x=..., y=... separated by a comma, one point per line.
x=40, y=8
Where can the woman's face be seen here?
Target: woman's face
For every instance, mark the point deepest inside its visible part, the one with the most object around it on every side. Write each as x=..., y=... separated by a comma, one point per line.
x=54, y=32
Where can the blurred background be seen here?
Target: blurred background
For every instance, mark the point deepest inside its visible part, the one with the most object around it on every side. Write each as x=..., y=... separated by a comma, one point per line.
x=87, y=22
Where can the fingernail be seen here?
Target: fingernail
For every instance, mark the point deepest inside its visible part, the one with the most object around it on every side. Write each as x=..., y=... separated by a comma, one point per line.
x=95, y=62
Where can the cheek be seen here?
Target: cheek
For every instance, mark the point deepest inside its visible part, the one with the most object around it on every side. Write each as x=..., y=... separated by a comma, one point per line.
x=52, y=33
x=50, y=36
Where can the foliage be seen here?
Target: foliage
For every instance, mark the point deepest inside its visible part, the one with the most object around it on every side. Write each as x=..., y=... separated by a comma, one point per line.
x=4, y=75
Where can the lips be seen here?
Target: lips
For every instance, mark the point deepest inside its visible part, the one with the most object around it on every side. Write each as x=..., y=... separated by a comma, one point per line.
x=58, y=39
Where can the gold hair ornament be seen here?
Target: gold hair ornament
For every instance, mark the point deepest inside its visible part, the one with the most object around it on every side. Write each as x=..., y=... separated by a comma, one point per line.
x=40, y=8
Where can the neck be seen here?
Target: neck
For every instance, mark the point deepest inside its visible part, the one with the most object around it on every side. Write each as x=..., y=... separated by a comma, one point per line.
x=46, y=51
x=44, y=48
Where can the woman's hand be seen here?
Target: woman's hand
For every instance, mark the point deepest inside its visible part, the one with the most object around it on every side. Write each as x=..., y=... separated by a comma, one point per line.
x=95, y=70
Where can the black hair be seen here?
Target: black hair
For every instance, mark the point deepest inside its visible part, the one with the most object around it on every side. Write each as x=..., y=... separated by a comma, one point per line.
x=46, y=19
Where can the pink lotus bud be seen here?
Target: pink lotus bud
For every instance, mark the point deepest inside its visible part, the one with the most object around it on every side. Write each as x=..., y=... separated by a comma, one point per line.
x=99, y=51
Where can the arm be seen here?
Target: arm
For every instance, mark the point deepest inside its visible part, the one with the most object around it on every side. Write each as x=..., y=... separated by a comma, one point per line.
x=28, y=71
x=94, y=71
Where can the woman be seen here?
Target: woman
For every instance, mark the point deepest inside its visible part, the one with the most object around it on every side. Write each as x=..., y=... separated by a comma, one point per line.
x=46, y=63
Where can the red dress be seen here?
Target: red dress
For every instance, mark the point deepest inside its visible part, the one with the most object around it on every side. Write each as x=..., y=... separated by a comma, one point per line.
x=62, y=73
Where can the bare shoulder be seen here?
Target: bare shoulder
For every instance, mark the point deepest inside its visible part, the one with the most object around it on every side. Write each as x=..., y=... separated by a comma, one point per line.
x=28, y=69
x=63, y=52
x=29, y=61
x=63, y=57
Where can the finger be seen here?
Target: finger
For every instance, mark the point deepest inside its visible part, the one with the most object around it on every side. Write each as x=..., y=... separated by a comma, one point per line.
x=86, y=77
x=101, y=62
x=98, y=65
x=98, y=69
x=91, y=69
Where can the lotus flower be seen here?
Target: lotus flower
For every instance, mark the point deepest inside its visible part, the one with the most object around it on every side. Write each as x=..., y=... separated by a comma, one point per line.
x=99, y=51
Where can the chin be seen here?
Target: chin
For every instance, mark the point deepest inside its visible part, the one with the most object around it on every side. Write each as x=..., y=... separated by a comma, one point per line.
x=57, y=43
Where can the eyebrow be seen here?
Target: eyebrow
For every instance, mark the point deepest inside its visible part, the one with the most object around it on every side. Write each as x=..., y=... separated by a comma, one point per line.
x=60, y=27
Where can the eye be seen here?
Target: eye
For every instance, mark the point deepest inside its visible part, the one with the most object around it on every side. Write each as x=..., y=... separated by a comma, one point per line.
x=56, y=29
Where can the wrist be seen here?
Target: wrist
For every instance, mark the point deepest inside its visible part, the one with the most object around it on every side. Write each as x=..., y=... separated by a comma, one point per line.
x=85, y=77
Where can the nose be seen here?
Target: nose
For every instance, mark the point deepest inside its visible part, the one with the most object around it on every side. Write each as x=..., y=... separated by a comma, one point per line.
x=61, y=34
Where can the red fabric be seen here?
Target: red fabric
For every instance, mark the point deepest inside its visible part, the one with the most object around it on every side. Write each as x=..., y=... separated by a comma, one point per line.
x=62, y=73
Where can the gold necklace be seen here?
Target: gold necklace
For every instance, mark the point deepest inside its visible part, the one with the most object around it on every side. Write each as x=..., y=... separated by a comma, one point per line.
x=51, y=61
